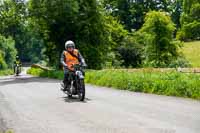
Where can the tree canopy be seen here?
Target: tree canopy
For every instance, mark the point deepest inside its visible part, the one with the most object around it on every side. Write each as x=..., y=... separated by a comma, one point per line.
x=123, y=33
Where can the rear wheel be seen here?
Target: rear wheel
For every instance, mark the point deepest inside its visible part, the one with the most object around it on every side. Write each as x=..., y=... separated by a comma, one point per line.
x=81, y=93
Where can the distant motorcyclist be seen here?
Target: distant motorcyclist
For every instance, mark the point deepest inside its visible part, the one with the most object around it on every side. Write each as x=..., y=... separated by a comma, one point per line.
x=17, y=62
x=69, y=57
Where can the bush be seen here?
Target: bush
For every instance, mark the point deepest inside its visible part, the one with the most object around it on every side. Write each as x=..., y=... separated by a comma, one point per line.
x=130, y=51
x=191, y=30
x=180, y=62
x=131, y=56
x=6, y=72
x=190, y=22
x=3, y=64
x=160, y=48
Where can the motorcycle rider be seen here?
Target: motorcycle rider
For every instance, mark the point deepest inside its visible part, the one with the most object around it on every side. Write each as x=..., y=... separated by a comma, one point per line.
x=17, y=62
x=69, y=57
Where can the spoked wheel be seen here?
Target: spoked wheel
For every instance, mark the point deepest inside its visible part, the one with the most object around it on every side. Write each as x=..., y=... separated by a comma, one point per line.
x=81, y=93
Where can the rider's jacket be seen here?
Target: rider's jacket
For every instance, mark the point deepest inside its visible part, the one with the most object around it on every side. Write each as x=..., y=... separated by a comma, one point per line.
x=69, y=59
x=17, y=62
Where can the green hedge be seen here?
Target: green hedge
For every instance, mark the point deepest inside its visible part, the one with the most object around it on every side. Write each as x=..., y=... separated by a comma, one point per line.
x=169, y=83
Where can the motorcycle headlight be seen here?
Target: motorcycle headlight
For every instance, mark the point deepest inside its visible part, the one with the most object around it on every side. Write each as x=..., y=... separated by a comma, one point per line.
x=79, y=74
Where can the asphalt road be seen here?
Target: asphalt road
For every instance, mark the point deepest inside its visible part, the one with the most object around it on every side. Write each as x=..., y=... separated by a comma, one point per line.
x=36, y=105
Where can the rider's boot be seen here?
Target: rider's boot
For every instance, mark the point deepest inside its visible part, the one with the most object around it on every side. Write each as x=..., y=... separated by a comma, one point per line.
x=64, y=86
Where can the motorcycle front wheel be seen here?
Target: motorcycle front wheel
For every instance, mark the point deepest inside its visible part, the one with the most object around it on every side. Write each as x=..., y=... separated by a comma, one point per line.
x=17, y=71
x=81, y=93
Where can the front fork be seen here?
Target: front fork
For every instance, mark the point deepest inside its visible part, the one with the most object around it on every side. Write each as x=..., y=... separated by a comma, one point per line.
x=71, y=89
x=75, y=83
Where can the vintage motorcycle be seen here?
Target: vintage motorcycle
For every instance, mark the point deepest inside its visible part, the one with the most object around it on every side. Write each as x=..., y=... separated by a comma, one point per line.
x=76, y=82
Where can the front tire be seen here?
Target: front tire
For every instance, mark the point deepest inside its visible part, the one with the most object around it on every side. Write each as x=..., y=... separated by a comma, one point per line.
x=17, y=71
x=81, y=93
x=69, y=95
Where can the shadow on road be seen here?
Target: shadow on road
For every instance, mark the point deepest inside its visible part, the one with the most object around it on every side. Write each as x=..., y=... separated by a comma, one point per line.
x=24, y=79
x=75, y=99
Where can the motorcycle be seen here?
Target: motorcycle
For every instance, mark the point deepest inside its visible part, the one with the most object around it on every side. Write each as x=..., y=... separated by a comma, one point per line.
x=17, y=69
x=76, y=82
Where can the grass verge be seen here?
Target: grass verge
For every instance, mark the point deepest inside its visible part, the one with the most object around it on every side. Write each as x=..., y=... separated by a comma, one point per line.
x=46, y=73
x=6, y=72
x=170, y=83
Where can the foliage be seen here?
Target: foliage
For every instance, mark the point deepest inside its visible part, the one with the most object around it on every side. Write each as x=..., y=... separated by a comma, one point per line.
x=130, y=52
x=175, y=9
x=160, y=48
x=7, y=52
x=180, y=62
x=132, y=13
x=80, y=21
x=6, y=72
x=3, y=64
x=190, y=21
x=14, y=23
x=115, y=36
x=190, y=31
x=105, y=31
x=12, y=20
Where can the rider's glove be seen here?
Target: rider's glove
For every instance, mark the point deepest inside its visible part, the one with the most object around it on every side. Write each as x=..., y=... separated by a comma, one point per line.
x=83, y=63
x=65, y=66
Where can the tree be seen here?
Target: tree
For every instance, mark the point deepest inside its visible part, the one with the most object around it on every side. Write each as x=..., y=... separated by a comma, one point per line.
x=175, y=9
x=7, y=52
x=190, y=20
x=14, y=23
x=61, y=20
x=132, y=12
x=3, y=64
x=131, y=52
x=160, y=48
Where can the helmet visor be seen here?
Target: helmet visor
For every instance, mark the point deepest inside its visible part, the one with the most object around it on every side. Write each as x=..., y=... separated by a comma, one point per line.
x=70, y=46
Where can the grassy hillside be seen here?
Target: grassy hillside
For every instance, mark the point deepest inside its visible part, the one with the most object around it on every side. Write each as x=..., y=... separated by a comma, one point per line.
x=191, y=50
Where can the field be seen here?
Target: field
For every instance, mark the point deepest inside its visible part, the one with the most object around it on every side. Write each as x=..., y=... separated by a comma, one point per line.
x=191, y=50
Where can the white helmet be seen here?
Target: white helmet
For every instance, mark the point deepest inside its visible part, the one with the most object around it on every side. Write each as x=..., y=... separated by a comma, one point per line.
x=69, y=44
